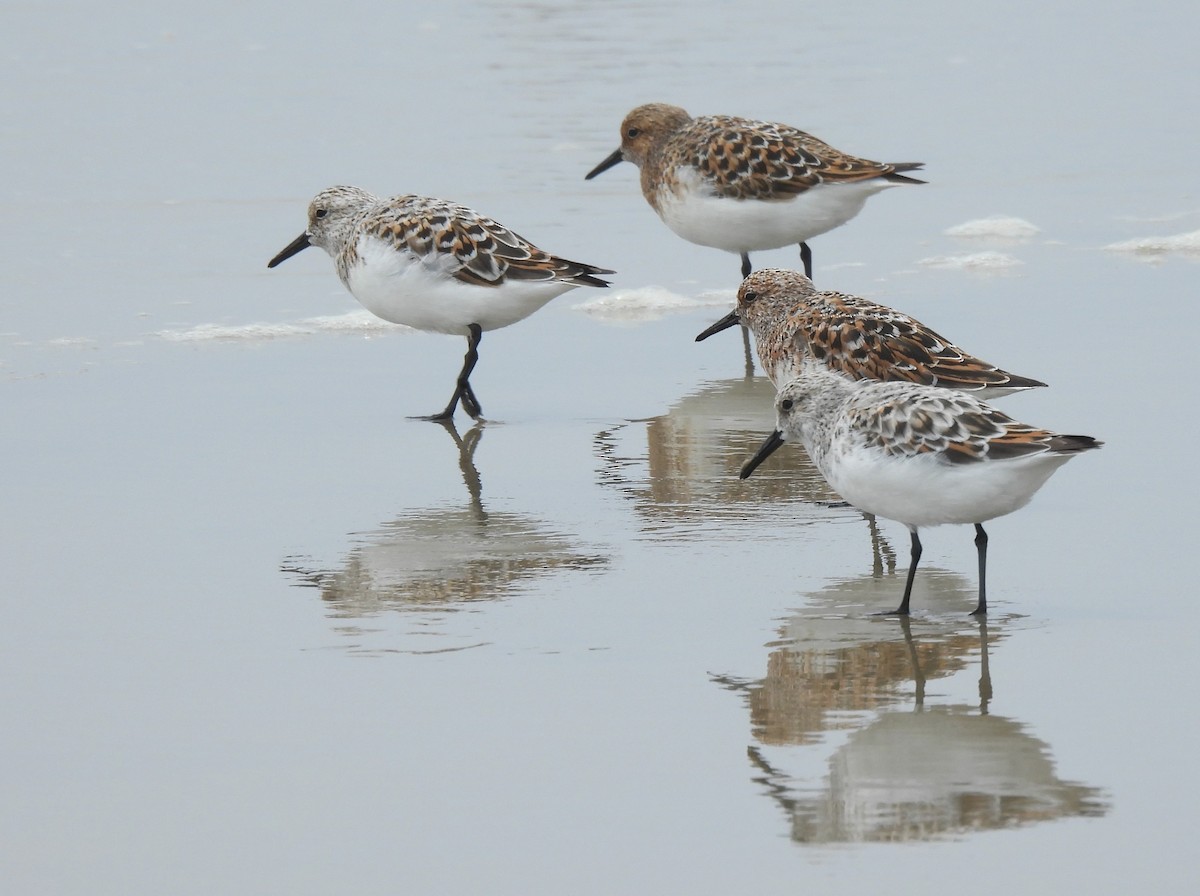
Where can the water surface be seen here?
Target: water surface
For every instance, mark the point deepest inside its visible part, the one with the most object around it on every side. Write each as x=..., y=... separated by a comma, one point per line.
x=265, y=633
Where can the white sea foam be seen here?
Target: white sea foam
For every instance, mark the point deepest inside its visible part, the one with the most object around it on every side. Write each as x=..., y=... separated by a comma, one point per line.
x=649, y=303
x=1157, y=246
x=353, y=322
x=1000, y=227
x=978, y=262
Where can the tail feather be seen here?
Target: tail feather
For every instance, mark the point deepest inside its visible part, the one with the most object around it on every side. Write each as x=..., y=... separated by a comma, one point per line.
x=589, y=280
x=1022, y=382
x=585, y=274
x=896, y=178
x=1061, y=444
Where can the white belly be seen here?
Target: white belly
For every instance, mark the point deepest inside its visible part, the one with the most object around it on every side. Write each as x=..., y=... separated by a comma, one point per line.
x=747, y=225
x=399, y=287
x=924, y=492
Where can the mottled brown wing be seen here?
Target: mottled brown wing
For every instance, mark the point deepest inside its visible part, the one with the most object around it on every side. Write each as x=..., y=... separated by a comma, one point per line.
x=516, y=258
x=744, y=159
x=484, y=252
x=867, y=341
x=956, y=427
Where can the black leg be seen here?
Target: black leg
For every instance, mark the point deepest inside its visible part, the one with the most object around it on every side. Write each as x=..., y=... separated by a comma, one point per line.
x=447, y=414
x=981, y=547
x=806, y=257
x=462, y=388
x=470, y=402
x=902, y=610
x=745, y=265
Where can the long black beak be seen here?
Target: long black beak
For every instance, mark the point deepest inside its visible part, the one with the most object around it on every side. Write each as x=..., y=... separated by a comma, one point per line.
x=729, y=320
x=614, y=159
x=774, y=440
x=298, y=244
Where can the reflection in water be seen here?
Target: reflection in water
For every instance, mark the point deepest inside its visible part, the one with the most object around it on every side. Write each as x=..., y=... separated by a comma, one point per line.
x=682, y=475
x=687, y=467
x=441, y=558
x=747, y=351
x=919, y=774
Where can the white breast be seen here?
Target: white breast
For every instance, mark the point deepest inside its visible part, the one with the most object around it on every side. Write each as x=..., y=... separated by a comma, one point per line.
x=396, y=285
x=922, y=491
x=747, y=225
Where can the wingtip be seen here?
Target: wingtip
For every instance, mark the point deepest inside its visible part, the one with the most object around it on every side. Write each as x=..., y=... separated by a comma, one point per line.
x=1025, y=382
x=897, y=178
x=589, y=279
x=1073, y=444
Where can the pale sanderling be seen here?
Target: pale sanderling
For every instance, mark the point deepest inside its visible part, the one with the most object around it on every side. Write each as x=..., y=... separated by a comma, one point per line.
x=436, y=266
x=920, y=455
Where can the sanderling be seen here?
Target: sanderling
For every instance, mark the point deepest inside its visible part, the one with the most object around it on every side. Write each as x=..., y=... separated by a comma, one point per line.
x=436, y=266
x=793, y=323
x=920, y=455
x=743, y=185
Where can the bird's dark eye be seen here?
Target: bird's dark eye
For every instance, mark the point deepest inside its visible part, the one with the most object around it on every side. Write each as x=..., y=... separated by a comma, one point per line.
x=749, y=296
x=787, y=404
x=320, y=213
x=632, y=132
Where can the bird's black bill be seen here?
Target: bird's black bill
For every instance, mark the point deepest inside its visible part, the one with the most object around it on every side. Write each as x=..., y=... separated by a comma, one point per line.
x=729, y=320
x=774, y=440
x=297, y=245
x=614, y=159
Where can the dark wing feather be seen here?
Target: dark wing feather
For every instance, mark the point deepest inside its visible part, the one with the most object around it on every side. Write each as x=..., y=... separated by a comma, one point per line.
x=744, y=159
x=865, y=340
x=485, y=252
x=956, y=427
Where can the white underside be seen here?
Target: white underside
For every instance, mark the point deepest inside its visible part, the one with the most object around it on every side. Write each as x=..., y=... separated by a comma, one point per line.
x=422, y=292
x=747, y=225
x=922, y=491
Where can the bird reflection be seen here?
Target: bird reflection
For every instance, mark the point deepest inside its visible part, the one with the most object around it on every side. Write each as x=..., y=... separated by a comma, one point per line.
x=680, y=469
x=441, y=558
x=926, y=773
x=466, y=460
x=748, y=352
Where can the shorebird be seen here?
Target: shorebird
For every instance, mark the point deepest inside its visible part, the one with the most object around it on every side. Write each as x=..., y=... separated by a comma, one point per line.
x=920, y=455
x=743, y=185
x=436, y=266
x=794, y=325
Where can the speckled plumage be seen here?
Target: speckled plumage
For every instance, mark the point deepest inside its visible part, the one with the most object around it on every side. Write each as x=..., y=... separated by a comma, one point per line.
x=920, y=455
x=794, y=324
x=437, y=266
x=459, y=241
x=903, y=420
x=743, y=185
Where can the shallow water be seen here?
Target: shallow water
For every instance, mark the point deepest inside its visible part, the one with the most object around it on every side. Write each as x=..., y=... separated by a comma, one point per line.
x=265, y=633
